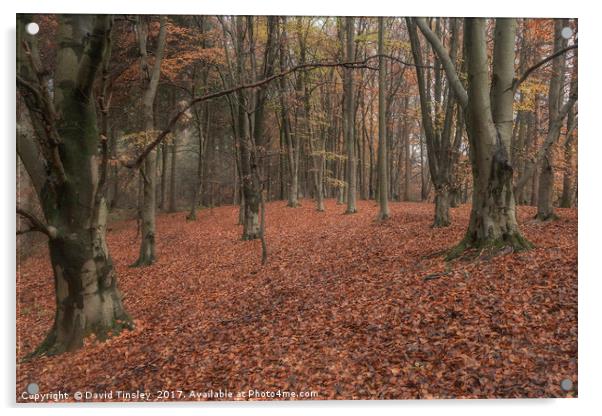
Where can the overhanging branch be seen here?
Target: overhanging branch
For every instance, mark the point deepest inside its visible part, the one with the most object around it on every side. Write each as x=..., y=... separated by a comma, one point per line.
x=309, y=66
x=518, y=81
x=36, y=224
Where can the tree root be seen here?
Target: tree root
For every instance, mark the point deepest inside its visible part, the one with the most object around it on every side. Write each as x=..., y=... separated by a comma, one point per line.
x=493, y=247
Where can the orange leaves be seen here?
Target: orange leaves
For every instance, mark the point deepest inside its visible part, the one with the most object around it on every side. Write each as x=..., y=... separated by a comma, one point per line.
x=341, y=308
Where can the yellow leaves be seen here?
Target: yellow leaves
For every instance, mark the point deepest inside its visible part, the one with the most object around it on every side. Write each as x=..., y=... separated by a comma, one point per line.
x=139, y=139
x=529, y=90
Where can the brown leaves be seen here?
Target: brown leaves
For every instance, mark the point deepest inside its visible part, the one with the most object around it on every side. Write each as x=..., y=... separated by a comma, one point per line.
x=341, y=308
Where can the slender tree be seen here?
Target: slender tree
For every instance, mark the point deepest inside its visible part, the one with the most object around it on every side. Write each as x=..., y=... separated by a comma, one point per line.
x=383, y=185
x=148, y=171
x=441, y=145
x=349, y=112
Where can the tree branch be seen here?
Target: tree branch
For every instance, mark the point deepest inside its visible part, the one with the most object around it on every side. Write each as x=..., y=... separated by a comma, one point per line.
x=36, y=224
x=93, y=55
x=448, y=65
x=309, y=66
x=518, y=81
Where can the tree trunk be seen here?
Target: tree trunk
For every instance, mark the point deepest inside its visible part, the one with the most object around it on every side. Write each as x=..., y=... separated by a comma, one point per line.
x=350, y=120
x=173, y=181
x=383, y=184
x=87, y=298
x=149, y=170
x=442, y=204
x=545, y=200
x=567, y=180
x=71, y=184
x=489, y=125
x=164, y=161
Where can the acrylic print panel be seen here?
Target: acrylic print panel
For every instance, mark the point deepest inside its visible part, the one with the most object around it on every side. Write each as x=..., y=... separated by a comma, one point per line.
x=295, y=208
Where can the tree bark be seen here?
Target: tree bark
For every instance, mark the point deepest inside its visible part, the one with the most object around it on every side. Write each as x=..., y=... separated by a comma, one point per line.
x=545, y=200
x=350, y=120
x=488, y=117
x=172, y=178
x=72, y=184
x=149, y=169
x=567, y=179
x=383, y=184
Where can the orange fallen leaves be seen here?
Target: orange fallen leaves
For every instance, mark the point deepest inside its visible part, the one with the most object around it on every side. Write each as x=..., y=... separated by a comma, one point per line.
x=341, y=308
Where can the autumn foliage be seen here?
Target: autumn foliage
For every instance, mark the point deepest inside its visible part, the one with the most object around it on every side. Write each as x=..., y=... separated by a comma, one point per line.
x=346, y=306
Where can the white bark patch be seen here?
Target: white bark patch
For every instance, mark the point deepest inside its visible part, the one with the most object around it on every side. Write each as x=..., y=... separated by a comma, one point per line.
x=100, y=243
x=89, y=277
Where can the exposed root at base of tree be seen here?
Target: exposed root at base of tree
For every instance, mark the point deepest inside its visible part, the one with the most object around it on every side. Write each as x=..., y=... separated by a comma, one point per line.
x=382, y=216
x=467, y=249
x=441, y=223
x=142, y=263
x=52, y=346
x=546, y=218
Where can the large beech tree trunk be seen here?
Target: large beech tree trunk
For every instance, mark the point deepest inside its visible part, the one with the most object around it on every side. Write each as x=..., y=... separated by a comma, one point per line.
x=489, y=119
x=88, y=300
x=69, y=175
x=493, y=214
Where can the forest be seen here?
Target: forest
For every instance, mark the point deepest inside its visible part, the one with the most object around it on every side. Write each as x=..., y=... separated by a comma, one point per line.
x=296, y=207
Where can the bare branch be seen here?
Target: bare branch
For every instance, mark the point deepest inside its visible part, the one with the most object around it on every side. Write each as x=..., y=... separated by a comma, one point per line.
x=36, y=224
x=307, y=67
x=544, y=61
x=445, y=59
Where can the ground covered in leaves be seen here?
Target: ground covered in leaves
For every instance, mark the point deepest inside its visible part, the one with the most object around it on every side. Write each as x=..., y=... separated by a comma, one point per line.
x=346, y=307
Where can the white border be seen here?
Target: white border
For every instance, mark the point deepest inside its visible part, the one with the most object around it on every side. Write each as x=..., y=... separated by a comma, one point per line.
x=590, y=150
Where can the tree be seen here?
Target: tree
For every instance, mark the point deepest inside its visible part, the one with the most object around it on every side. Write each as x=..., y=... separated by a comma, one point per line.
x=383, y=184
x=69, y=175
x=545, y=200
x=291, y=139
x=148, y=171
x=566, y=200
x=441, y=149
x=349, y=118
x=488, y=114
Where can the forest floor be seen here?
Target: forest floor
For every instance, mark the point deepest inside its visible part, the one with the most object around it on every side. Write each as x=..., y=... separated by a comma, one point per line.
x=346, y=307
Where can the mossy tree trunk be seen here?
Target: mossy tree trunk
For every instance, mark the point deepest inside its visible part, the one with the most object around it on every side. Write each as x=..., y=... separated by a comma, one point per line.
x=493, y=214
x=67, y=161
x=487, y=110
